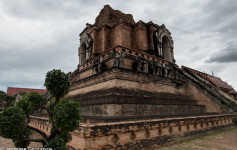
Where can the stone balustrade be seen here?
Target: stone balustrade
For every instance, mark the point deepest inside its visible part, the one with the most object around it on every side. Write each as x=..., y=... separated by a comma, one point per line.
x=125, y=134
x=40, y=123
x=130, y=52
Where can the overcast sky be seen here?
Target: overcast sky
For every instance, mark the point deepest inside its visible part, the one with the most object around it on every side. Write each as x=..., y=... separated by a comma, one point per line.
x=39, y=35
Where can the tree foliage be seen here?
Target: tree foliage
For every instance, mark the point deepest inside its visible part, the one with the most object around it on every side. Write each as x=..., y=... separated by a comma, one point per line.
x=234, y=120
x=31, y=102
x=9, y=100
x=64, y=115
x=57, y=83
x=2, y=96
x=6, y=100
x=13, y=125
x=56, y=143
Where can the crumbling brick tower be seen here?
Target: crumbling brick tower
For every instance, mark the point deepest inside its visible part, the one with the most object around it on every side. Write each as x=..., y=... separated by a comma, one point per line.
x=126, y=77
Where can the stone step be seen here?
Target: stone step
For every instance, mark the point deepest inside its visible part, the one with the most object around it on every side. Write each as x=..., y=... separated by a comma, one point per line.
x=127, y=92
x=145, y=110
x=140, y=118
x=116, y=99
x=172, y=96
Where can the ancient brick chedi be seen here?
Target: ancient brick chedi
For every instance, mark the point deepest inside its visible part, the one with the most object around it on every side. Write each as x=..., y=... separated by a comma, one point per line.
x=130, y=89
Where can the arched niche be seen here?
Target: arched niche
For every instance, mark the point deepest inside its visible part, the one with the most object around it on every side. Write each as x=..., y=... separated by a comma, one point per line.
x=85, y=48
x=163, y=44
x=166, y=48
x=82, y=56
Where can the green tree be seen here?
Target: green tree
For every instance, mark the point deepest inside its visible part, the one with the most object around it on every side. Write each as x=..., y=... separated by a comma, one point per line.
x=64, y=115
x=9, y=101
x=2, y=97
x=6, y=100
x=30, y=103
x=14, y=120
x=13, y=125
x=234, y=120
x=57, y=83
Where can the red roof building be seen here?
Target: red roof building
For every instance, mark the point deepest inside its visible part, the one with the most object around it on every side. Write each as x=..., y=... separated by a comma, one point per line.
x=219, y=83
x=13, y=90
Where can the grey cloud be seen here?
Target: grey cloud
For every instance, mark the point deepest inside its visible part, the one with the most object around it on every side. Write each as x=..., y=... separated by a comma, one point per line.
x=39, y=56
x=25, y=63
x=23, y=84
x=195, y=48
x=226, y=55
x=45, y=9
x=219, y=16
x=39, y=35
x=219, y=10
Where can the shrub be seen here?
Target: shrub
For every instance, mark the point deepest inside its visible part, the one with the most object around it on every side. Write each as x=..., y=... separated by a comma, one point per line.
x=64, y=115
x=13, y=124
x=223, y=107
x=234, y=120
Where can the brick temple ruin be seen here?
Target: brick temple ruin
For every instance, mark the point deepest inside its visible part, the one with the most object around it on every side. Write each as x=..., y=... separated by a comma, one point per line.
x=131, y=92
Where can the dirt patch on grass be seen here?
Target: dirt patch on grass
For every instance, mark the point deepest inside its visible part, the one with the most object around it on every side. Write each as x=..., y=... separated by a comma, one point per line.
x=7, y=143
x=219, y=140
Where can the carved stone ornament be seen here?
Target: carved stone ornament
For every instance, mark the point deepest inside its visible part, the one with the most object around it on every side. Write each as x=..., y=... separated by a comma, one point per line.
x=141, y=64
x=156, y=68
x=117, y=58
x=98, y=66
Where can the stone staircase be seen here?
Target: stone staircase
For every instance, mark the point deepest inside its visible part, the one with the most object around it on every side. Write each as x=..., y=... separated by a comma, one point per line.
x=122, y=104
